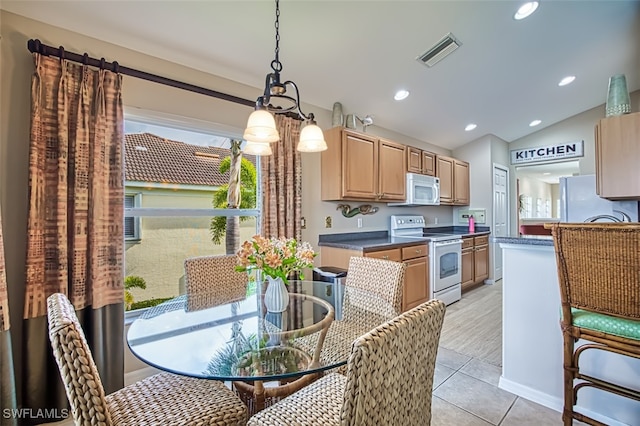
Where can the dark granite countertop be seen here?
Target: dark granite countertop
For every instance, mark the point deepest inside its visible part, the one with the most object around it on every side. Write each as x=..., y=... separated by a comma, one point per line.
x=380, y=240
x=531, y=240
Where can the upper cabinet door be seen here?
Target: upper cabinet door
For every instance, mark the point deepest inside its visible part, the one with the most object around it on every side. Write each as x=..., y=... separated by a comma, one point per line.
x=360, y=166
x=414, y=160
x=428, y=163
x=392, y=166
x=444, y=170
x=461, y=183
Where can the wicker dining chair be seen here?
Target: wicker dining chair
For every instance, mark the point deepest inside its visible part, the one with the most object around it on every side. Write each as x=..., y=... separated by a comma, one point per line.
x=213, y=280
x=373, y=295
x=162, y=399
x=599, y=276
x=389, y=378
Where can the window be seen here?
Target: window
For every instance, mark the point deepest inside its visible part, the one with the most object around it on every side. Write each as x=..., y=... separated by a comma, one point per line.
x=172, y=177
x=132, y=224
x=547, y=208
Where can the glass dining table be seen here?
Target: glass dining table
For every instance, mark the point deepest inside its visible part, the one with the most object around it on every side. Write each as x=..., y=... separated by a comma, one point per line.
x=242, y=342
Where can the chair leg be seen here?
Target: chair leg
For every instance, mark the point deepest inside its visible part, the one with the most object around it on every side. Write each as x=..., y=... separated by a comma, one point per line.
x=569, y=374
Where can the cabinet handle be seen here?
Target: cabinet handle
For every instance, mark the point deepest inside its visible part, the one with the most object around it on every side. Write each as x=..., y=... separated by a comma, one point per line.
x=418, y=251
x=385, y=257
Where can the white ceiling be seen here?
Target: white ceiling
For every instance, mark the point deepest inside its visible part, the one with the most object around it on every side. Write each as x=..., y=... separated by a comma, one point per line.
x=359, y=53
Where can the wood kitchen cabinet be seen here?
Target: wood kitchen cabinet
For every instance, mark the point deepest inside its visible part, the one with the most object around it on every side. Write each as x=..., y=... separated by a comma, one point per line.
x=419, y=161
x=454, y=181
x=416, y=281
x=467, y=263
x=617, y=157
x=428, y=163
x=357, y=166
x=414, y=160
x=475, y=261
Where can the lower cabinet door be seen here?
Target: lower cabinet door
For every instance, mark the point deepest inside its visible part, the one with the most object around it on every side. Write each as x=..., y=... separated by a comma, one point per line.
x=481, y=263
x=416, y=283
x=467, y=267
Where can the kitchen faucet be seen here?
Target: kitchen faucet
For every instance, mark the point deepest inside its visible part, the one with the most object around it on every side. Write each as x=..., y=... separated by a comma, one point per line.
x=625, y=217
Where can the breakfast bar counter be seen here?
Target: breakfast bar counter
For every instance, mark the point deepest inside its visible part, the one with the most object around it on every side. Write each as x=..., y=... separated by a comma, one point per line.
x=532, y=340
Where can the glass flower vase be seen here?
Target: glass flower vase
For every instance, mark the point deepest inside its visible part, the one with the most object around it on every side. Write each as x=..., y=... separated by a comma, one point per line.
x=276, y=296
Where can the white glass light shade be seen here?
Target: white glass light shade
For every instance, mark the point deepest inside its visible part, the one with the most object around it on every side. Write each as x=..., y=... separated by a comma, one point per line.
x=261, y=127
x=311, y=139
x=257, y=148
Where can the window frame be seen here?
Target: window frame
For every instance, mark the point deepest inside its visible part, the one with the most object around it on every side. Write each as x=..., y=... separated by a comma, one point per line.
x=137, y=226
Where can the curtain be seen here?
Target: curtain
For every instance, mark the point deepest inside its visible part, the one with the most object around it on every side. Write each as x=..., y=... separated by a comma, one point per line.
x=282, y=192
x=75, y=222
x=282, y=183
x=7, y=380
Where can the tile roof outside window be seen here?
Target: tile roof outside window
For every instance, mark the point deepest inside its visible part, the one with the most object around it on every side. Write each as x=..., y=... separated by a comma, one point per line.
x=166, y=161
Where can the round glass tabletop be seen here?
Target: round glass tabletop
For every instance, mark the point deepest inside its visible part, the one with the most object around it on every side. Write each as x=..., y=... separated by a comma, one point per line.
x=240, y=340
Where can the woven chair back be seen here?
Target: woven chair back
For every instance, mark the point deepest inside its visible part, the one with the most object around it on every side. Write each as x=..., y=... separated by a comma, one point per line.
x=390, y=370
x=599, y=267
x=380, y=277
x=75, y=362
x=213, y=280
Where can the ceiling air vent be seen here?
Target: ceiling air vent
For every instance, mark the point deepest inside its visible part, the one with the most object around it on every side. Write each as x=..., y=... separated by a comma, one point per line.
x=440, y=50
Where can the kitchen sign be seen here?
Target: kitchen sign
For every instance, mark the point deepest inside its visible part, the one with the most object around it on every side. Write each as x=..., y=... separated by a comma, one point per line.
x=546, y=153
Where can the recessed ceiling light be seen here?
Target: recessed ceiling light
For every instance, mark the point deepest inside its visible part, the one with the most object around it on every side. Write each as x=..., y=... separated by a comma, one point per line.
x=470, y=127
x=546, y=174
x=567, y=80
x=525, y=10
x=401, y=94
x=534, y=123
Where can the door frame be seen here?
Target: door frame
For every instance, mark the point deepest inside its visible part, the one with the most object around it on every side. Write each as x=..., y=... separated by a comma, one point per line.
x=494, y=248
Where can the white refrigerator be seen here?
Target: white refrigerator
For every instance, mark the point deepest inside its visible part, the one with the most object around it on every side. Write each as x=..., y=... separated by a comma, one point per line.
x=579, y=202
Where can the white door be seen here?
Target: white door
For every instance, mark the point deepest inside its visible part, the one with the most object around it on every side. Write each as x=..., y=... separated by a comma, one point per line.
x=500, y=226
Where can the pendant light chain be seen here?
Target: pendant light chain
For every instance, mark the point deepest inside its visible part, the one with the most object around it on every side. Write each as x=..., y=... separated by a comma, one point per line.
x=276, y=65
x=261, y=127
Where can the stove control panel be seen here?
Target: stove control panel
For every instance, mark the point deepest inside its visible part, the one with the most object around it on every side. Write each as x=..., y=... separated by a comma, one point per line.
x=407, y=222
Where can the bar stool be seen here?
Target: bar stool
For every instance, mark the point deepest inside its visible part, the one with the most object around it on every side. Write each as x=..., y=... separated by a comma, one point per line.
x=599, y=276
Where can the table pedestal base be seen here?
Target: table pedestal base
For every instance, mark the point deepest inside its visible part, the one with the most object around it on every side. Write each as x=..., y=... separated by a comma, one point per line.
x=257, y=397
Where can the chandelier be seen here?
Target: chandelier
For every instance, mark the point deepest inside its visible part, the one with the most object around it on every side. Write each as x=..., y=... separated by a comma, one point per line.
x=261, y=126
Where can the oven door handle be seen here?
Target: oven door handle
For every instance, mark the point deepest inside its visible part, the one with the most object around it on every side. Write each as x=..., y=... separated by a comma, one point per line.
x=446, y=243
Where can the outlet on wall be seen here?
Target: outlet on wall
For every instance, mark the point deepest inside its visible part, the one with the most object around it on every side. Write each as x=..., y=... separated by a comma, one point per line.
x=479, y=215
x=327, y=222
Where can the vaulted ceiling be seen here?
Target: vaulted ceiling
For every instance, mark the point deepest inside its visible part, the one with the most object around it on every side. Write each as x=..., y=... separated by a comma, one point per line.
x=504, y=75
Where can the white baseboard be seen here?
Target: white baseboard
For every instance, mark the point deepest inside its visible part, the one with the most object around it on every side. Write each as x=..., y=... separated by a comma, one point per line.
x=550, y=401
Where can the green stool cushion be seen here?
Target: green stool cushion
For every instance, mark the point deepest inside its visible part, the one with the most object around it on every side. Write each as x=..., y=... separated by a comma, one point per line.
x=606, y=323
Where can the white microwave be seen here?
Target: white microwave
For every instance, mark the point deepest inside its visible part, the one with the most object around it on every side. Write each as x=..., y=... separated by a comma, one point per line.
x=422, y=190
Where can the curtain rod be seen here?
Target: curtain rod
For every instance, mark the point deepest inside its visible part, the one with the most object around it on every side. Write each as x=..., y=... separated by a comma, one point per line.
x=35, y=46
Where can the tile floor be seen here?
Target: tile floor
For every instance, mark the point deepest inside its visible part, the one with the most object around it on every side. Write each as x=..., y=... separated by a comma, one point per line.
x=466, y=393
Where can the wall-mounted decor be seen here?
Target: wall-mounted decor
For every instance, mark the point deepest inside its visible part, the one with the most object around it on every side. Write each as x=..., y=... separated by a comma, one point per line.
x=337, y=119
x=618, y=102
x=545, y=153
x=347, y=211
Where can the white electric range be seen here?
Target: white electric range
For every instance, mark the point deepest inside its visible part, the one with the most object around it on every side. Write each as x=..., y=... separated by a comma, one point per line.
x=445, y=255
